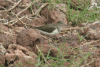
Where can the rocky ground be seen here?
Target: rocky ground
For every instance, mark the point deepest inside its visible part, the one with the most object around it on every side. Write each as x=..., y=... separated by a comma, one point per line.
x=22, y=46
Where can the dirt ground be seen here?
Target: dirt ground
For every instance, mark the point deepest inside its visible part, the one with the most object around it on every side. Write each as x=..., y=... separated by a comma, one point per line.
x=20, y=44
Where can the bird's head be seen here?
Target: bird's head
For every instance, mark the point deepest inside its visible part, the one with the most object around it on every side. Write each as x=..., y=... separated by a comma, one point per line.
x=61, y=23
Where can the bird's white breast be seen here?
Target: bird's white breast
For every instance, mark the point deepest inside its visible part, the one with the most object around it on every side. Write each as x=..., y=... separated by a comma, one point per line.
x=52, y=33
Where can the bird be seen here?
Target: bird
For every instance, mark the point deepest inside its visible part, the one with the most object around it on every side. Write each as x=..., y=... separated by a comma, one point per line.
x=51, y=29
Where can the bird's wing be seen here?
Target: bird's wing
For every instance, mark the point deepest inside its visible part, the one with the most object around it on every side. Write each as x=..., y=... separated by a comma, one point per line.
x=46, y=29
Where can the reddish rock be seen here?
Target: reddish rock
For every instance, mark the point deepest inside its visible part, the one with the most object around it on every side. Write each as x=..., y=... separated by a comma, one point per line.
x=96, y=63
x=54, y=16
x=97, y=45
x=71, y=38
x=6, y=37
x=18, y=29
x=2, y=56
x=66, y=63
x=2, y=49
x=13, y=48
x=23, y=63
x=45, y=41
x=1, y=7
x=88, y=47
x=2, y=59
x=3, y=28
x=26, y=12
x=34, y=22
x=45, y=48
x=25, y=2
x=39, y=21
x=45, y=13
x=28, y=38
x=4, y=15
x=65, y=49
x=20, y=24
x=5, y=3
x=92, y=31
x=18, y=54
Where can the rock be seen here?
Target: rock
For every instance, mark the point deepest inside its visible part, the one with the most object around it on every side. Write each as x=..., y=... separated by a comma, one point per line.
x=1, y=7
x=96, y=63
x=28, y=38
x=39, y=21
x=34, y=22
x=18, y=54
x=92, y=31
x=3, y=28
x=20, y=24
x=6, y=37
x=5, y=3
x=70, y=38
x=54, y=15
x=45, y=48
x=2, y=56
x=24, y=63
x=61, y=7
x=2, y=59
x=18, y=29
x=4, y=15
x=57, y=15
x=25, y=2
x=65, y=49
x=2, y=49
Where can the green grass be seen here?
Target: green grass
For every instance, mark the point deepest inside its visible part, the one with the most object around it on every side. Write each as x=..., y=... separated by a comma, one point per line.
x=75, y=60
x=82, y=16
x=2, y=66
